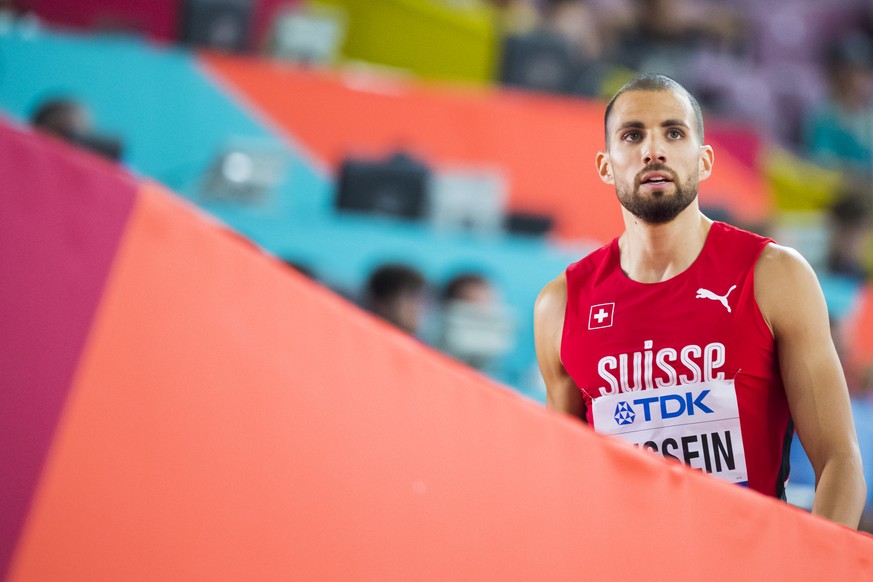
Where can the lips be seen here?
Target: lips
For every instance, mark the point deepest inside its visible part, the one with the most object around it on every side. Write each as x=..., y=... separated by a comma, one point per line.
x=657, y=178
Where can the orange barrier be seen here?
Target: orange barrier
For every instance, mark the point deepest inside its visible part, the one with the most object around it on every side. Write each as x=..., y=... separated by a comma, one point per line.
x=546, y=145
x=231, y=420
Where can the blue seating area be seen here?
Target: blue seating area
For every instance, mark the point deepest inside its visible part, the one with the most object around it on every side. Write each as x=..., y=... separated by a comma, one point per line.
x=171, y=117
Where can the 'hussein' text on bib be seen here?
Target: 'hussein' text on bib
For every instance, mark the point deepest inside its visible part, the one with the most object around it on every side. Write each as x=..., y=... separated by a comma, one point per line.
x=698, y=424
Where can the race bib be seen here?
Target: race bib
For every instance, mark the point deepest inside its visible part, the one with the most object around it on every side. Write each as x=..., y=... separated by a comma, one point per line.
x=698, y=424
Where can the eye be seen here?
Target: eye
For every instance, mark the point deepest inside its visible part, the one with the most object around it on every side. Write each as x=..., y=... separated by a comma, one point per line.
x=674, y=133
x=632, y=135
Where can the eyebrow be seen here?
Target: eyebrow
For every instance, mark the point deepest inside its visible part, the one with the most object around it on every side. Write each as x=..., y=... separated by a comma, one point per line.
x=641, y=125
x=630, y=125
x=674, y=123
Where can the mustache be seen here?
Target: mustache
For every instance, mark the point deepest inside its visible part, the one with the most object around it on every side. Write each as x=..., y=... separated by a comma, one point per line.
x=655, y=168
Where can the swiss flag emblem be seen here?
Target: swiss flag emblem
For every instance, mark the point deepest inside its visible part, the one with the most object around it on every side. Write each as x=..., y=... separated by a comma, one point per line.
x=600, y=315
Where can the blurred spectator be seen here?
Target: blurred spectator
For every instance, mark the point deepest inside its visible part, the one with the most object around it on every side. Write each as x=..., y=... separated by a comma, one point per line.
x=475, y=327
x=62, y=118
x=850, y=229
x=469, y=287
x=576, y=21
x=70, y=120
x=839, y=132
x=17, y=12
x=592, y=31
x=562, y=52
x=665, y=35
x=396, y=293
x=516, y=16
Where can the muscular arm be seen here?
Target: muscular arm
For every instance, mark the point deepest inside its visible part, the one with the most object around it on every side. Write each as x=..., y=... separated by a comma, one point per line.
x=561, y=392
x=791, y=301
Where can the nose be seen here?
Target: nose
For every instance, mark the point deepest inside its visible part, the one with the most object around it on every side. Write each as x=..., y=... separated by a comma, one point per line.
x=653, y=150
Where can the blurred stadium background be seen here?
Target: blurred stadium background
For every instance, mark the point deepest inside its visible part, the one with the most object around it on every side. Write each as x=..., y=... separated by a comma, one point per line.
x=458, y=136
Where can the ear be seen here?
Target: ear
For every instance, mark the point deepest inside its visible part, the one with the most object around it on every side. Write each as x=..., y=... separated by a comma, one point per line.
x=704, y=166
x=604, y=169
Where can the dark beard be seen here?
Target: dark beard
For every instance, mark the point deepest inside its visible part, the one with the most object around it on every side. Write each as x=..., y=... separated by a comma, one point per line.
x=658, y=208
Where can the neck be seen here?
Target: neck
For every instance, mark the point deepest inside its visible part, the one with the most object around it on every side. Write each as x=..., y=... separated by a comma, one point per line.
x=651, y=253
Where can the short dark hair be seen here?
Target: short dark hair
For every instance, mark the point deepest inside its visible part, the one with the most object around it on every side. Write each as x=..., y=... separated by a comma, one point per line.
x=392, y=280
x=453, y=289
x=654, y=82
x=50, y=114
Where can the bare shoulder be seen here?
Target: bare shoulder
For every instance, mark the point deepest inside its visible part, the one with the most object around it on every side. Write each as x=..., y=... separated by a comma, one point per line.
x=785, y=284
x=561, y=391
x=549, y=314
x=553, y=297
x=780, y=260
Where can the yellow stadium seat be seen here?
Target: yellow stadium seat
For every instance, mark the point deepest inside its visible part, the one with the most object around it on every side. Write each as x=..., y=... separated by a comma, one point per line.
x=435, y=39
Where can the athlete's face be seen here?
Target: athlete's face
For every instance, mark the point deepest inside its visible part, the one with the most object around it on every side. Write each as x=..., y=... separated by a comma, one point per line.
x=654, y=157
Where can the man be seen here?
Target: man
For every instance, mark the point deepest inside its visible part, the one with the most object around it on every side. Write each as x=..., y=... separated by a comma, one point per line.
x=395, y=293
x=690, y=337
x=475, y=326
x=70, y=121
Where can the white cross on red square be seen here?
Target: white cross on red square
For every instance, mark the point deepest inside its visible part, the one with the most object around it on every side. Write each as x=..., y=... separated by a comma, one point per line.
x=600, y=315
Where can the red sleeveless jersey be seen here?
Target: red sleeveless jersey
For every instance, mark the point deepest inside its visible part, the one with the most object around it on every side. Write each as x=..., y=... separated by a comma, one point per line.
x=623, y=336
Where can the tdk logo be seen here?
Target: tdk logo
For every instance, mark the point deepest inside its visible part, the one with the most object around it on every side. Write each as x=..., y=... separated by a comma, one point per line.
x=624, y=414
x=667, y=406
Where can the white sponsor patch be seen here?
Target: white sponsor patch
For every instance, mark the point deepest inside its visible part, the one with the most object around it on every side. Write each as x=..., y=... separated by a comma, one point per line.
x=698, y=424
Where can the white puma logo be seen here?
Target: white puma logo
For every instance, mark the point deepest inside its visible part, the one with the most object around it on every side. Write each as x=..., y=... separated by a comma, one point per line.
x=707, y=294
